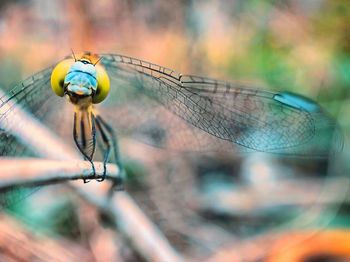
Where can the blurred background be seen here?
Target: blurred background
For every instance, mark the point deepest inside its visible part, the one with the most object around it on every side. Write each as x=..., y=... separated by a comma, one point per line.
x=220, y=207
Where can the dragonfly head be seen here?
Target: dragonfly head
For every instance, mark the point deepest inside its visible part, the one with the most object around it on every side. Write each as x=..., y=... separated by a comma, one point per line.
x=80, y=78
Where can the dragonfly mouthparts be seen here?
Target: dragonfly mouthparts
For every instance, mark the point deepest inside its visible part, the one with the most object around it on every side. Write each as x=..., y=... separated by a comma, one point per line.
x=79, y=90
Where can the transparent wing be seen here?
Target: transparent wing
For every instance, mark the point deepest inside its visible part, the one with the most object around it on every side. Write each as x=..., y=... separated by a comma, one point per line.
x=33, y=94
x=213, y=114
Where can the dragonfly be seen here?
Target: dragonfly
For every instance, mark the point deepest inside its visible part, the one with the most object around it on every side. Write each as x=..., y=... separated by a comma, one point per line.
x=166, y=109
x=86, y=83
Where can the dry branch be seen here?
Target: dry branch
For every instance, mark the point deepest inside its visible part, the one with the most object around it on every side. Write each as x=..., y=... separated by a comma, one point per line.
x=35, y=172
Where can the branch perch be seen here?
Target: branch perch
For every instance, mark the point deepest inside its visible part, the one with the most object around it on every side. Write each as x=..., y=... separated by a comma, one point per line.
x=16, y=172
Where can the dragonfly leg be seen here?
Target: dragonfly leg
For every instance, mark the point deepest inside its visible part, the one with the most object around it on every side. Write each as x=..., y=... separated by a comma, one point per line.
x=110, y=140
x=79, y=145
x=93, y=171
x=107, y=142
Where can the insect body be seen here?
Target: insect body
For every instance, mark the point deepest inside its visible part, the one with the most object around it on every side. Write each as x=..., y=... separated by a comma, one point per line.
x=85, y=83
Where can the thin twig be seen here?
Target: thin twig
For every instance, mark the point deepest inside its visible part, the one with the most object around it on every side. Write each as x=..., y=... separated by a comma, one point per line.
x=37, y=172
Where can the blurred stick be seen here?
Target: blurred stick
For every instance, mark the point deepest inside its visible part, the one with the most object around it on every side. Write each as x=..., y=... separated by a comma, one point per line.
x=147, y=239
x=145, y=236
x=301, y=192
x=36, y=248
x=37, y=172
